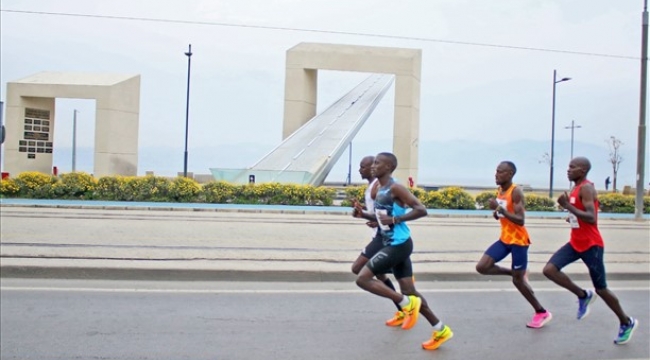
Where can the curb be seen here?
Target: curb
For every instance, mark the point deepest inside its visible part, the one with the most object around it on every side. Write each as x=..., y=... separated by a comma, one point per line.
x=94, y=273
x=299, y=210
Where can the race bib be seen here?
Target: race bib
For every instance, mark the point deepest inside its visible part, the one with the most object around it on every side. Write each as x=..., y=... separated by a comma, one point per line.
x=573, y=221
x=504, y=204
x=381, y=212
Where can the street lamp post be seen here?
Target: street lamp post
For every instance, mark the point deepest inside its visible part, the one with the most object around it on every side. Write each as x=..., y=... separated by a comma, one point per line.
x=572, y=127
x=555, y=81
x=187, y=106
x=74, y=141
x=641, y=147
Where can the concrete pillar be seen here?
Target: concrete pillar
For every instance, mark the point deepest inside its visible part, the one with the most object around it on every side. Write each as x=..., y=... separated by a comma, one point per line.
x=406, y=127
x=300, y=94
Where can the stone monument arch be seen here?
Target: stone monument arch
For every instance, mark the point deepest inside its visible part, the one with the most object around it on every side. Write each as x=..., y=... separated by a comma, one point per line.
x=30, y=119
x=301, y=91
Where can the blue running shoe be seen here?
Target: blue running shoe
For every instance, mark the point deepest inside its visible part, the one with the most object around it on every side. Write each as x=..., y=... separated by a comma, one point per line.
x=584, y=304
x=625, y=332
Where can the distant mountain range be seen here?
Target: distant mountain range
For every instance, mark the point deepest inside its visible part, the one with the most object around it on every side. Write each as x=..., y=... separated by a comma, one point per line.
x=465, y=163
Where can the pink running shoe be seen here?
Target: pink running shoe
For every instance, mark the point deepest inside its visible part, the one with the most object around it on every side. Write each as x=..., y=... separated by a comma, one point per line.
x=540, y=319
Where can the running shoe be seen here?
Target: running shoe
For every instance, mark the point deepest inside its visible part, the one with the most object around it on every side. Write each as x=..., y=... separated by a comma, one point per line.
x=584, y=304
x=438, y=338
x=411, y=312
x=540, y=319
x=625, y=332
x=396, y=320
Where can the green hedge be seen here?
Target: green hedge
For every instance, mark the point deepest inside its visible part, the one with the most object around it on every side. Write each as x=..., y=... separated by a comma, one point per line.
x=160, y=189
x=619, y=203
x=609, y=203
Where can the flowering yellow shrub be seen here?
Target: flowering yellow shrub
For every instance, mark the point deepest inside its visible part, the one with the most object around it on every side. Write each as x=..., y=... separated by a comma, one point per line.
x=449, y=198
x=37, y=185
x=619, y=203
x=9, y=188
x=184, y=189
x=539, y=203
x=456, y=198
x=75, y=185
x=217, y=192
x=151, y=188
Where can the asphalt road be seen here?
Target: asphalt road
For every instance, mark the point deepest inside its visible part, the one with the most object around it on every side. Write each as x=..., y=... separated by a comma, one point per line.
x=77, y=319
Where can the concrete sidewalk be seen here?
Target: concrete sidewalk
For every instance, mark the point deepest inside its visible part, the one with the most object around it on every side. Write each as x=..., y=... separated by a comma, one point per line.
x=255, y=245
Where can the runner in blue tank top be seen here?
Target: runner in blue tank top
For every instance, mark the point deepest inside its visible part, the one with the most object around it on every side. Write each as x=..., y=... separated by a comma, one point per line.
x=375, y=243
x=391, y=202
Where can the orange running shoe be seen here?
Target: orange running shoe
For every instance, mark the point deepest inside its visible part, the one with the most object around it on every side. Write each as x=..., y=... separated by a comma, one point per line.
x=438, y=338
x=411, y=312
x=396, y=320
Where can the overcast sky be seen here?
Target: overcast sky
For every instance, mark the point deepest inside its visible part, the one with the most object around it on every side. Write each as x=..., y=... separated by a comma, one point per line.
x=470, y=91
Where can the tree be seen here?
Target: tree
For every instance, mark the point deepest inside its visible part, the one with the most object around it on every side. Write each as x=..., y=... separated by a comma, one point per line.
x=615, y=157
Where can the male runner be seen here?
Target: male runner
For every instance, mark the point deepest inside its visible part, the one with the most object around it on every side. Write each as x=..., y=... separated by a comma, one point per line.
x=509, y=210
x=375, y=243
x=586, y=244
x=390, y=213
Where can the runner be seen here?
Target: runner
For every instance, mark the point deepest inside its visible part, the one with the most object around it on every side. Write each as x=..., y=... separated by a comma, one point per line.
x=586, y=244
x=390, y=213
x=509, y=209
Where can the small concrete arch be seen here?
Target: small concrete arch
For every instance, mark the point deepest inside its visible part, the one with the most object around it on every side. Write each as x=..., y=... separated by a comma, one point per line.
x=30, y=117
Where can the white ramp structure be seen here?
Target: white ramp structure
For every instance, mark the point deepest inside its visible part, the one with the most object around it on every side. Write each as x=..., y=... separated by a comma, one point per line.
x=313, y=143
x=308, y=155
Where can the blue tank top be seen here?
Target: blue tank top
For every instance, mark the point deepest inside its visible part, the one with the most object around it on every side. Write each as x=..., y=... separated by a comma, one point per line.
x=384, y=202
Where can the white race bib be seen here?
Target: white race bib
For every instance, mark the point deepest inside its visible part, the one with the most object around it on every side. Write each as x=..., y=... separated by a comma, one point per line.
x=504, y=204
x=381, y=212
x=573, y=221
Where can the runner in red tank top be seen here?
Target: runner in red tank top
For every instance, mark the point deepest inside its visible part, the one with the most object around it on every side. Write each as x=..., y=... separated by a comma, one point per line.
x=586, y=244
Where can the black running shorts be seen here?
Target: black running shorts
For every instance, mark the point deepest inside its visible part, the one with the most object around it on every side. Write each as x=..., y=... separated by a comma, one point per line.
x=396, y=257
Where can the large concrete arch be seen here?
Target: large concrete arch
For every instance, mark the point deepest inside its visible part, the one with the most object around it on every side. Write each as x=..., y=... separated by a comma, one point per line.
x=30, y=118
x=305, y=59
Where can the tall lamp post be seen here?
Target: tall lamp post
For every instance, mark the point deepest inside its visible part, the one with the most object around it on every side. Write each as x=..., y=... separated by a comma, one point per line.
x=187, y=106
x=572, y=127
x=641, y=148
x=555, y=81
x=74, y=141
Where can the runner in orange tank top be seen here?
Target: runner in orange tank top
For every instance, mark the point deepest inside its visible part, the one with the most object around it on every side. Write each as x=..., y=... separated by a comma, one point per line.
x=509, y=209
x=586, y=244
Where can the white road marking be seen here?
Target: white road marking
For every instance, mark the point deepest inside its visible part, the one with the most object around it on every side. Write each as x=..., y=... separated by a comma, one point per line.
x=273, y=291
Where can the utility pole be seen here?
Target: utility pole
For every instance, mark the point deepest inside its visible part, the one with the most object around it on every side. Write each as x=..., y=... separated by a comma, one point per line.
x=640, y=157
x=74, y=141
x=572, y=127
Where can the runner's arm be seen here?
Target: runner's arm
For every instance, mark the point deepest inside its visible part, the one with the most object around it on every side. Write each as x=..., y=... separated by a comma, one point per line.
x=403, y=195
x=588, y=196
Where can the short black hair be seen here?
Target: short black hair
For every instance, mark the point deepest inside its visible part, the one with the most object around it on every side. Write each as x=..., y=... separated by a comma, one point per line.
x=583, y=162
x=511, y=165
x=391, y=157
